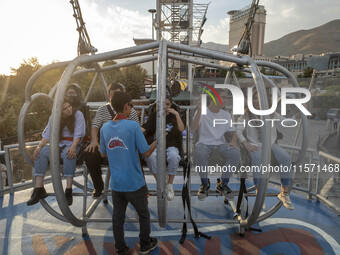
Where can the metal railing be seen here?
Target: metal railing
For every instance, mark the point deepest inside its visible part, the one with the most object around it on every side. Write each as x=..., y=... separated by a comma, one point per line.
x=330, y=158
x=313, y=156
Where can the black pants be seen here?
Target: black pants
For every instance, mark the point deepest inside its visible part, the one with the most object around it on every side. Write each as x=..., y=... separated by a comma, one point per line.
x=139, y=201
x=93, y=160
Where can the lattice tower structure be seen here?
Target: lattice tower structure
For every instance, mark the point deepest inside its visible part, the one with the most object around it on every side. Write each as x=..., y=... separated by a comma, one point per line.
x=180, y=21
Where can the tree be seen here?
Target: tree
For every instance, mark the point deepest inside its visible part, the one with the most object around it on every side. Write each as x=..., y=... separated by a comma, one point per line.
x=307, y=73
x=133, y=79
x=13, y=92
x=240, y=74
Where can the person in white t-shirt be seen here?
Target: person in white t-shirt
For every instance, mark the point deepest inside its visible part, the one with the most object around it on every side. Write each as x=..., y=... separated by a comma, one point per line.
x=212, y=137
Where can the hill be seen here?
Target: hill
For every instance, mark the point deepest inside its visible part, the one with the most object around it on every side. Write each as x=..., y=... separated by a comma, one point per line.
x=215, y=46
x=322, y=39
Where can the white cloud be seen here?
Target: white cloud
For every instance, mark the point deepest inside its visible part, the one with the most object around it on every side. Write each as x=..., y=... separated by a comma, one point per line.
x=48, y=30
x=114, y=27
x=218, y=33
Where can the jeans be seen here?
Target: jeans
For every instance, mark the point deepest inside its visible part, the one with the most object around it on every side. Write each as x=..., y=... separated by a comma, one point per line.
x=283, y=159
x=203, y=152
x=139, y=201
x=93, y=160
x=41, y=163
x=172, y=157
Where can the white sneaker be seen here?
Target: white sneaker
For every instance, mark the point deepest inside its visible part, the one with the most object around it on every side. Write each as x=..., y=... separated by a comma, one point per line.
x=170, y=192
x=285, y=199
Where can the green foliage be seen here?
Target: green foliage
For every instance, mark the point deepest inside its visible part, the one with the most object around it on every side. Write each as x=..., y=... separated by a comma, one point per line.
x=12, y=94
x=133, y=79
x=240, y=74
x=308, y=72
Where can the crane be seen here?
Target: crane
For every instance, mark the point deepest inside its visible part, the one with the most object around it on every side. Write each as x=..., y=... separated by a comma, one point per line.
x=84, y=43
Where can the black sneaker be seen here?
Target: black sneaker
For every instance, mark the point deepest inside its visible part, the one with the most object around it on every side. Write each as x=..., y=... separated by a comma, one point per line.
x=96, y=193
x=203, y=191
x=68, y=196
x=225, y=191
x=124, y=251
x=37, y=194
x=145, y=249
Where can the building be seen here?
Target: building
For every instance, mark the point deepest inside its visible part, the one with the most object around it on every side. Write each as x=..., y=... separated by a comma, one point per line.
x=327, y=64
x=238, y=19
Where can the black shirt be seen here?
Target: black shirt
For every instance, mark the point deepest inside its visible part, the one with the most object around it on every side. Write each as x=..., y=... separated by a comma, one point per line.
x=174, y=136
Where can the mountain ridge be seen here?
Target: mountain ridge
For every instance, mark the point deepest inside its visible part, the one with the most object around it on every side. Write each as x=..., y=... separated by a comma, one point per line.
x=322, y=39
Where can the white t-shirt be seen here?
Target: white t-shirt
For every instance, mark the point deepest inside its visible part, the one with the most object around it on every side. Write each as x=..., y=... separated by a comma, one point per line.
x=210, y=135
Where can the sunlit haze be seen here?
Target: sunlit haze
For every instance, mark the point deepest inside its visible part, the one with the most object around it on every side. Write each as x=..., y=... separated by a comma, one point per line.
x=47, y=29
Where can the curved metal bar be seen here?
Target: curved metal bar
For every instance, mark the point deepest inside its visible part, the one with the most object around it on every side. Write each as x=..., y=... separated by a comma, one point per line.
x=116, y=53
x=290, y=76
x=116, y=66
x=198, y=62
x=37, y=74
x=54, y=144
x=266, y=142
x=51, y=211
x=160, y=134
x=269, y=213
x=21, y=125
x=208, y=53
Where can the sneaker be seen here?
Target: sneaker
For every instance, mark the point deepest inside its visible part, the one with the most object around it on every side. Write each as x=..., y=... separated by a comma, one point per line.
x=68, y=196
x=285, y=199
x=203, y=191
x=96, y=193
x=225, y=191
x=145, y=249
x=37, y=194
x=170, y=192
x=124, y=251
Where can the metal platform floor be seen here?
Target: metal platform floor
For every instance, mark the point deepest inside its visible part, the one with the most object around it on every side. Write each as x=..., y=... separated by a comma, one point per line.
x=309, y=229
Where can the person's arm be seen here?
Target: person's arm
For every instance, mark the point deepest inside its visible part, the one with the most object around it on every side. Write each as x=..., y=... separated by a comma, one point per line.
x=179, y=121
x=97, y=122
x=142, y=146
x=94, y=140
x=150, y=150
x=72, y=150
x=78, y=134
x=242, y=139
x=36, y=152
x=233, y=142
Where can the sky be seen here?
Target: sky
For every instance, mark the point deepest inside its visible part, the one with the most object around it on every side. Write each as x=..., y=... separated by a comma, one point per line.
x=46, y=29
